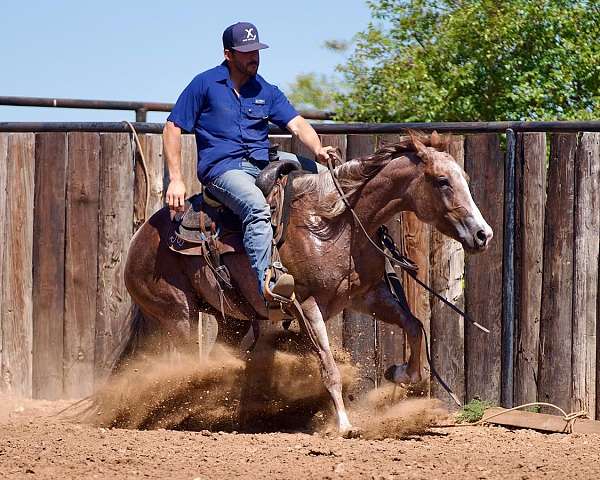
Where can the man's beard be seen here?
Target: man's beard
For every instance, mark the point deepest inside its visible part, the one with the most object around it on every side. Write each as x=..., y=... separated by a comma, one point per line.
x=251, y=68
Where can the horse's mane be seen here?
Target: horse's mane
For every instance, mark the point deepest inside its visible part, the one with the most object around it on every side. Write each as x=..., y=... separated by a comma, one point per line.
x=320, y=198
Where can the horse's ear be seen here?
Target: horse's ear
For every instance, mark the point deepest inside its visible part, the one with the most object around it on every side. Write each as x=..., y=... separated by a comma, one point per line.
x=436, y=140
x=421, y=149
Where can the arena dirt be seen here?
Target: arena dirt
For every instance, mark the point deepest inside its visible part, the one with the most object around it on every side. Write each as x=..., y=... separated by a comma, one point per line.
x=172, y=419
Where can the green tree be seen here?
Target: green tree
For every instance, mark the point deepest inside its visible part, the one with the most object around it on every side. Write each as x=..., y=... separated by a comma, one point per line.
x=474, y=60
x=313, y=91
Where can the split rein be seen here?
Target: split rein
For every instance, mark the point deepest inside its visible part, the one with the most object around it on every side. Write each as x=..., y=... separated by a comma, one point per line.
x=395, y=257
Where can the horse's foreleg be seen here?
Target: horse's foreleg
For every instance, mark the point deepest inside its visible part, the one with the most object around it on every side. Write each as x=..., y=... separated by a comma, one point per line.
x=380, y=302
x=332, y=379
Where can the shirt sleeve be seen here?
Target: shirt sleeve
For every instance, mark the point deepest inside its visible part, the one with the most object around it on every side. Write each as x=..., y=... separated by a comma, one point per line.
x=282, y=110
x=189, y=105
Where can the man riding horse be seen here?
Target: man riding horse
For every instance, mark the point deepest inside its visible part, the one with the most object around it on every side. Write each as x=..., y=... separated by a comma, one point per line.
x=228, y=108
x=332, y=247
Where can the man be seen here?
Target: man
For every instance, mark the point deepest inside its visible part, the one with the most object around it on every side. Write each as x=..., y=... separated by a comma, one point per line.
x=228, y=108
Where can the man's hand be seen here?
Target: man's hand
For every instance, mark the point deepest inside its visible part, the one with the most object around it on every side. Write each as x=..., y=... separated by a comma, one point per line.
x=324, y=153
x=176, y=195
x=300, y=128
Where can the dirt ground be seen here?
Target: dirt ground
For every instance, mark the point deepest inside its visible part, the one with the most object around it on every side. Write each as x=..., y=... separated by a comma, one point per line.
x=34, y=444
x=184, y=423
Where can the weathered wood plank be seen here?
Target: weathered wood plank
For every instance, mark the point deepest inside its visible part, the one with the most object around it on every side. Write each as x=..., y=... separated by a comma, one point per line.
x=115, y=230
x=189, y=164
x=49, y=264
x=81, y=262
x=359, y=332
x=447, y=328
x=598, y=346
x=152, y=146
x=3, y=174
x=484, y=163
x=540, y=421
x=585, y=276
x=530, y=198
x=555, y=367
x=284, y=142
x=300, y=149
x=17, y=306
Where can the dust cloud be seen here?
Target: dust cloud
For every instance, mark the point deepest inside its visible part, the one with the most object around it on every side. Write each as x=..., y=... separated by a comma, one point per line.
x=276, y=388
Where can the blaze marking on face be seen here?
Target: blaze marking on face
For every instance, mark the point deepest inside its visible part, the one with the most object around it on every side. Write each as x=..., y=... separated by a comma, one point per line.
x=472, y=207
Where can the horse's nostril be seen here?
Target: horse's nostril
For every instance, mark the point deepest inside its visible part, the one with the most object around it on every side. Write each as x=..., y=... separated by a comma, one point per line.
x=481, y=236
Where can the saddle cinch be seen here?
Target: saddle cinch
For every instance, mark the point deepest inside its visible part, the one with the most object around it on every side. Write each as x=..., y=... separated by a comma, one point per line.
x=208, y=228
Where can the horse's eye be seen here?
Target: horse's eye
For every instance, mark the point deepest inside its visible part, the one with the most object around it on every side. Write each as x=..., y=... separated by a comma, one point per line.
x=442, y=182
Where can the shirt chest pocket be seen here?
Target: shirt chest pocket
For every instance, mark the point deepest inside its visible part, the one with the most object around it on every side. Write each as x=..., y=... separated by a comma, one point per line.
x=256, y=112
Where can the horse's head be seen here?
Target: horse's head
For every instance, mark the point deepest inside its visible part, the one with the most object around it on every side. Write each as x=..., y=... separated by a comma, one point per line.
x=441, y=197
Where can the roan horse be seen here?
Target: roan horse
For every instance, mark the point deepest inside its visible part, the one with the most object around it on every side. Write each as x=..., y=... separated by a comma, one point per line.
x=334, y=264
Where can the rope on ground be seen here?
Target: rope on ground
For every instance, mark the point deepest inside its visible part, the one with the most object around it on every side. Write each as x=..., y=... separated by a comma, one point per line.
x=569, y=418
x=144, y=167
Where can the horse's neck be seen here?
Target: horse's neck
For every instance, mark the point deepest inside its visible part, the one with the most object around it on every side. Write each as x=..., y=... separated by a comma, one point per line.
x=387, y=194
x=378, y=198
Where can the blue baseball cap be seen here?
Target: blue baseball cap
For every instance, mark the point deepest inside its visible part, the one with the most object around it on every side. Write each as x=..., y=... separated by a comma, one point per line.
x=242, y=37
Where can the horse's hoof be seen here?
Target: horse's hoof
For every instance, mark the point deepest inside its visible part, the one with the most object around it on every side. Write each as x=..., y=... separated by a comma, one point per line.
x=399, y=374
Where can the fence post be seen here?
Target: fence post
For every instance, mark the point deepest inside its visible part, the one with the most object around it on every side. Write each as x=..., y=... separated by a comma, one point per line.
x=508, y=275
x=141, y=114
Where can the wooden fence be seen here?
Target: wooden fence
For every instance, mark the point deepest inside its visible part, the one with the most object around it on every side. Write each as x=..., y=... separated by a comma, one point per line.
x=69, y=203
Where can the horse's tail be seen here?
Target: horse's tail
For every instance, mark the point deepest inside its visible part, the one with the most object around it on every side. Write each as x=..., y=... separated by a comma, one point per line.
x=131, y=335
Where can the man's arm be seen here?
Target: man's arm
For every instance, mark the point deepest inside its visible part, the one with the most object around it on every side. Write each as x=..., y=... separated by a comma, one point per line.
x=172, y=149
x=300, y=128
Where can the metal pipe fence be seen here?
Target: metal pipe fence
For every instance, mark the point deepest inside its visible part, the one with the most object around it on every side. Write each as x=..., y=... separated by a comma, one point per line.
x=141, y=109
x=327, y=128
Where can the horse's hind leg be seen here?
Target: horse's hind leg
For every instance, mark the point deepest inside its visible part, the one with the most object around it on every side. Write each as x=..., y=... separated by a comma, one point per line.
x=332, y=379
x=382, y=304
x=171, y=306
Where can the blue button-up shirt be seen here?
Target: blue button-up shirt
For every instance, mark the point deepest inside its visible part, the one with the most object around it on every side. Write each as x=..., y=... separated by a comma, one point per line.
x=229, y=128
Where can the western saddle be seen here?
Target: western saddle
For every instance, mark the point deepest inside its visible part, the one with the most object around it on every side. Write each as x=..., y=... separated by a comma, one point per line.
x=208, y=228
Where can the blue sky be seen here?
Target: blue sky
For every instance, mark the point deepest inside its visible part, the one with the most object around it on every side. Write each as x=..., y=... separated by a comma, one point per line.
x=149, y=50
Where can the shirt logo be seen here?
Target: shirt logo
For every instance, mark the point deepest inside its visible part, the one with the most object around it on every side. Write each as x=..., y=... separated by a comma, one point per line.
x=249, y=35
x=259, y=101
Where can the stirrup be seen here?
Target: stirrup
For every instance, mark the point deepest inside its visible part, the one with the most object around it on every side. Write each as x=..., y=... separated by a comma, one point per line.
x=283, y=290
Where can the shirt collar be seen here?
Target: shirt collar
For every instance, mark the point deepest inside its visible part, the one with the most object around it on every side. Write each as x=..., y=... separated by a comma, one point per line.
x=223, y=72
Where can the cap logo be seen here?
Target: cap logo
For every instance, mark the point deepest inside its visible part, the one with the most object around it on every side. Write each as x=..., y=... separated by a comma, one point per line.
x=249, y=35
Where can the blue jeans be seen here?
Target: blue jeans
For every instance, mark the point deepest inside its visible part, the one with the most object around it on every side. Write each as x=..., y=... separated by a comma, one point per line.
x=236, y=190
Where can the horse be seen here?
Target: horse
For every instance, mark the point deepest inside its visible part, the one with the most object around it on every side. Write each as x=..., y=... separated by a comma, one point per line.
x=334, y=264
